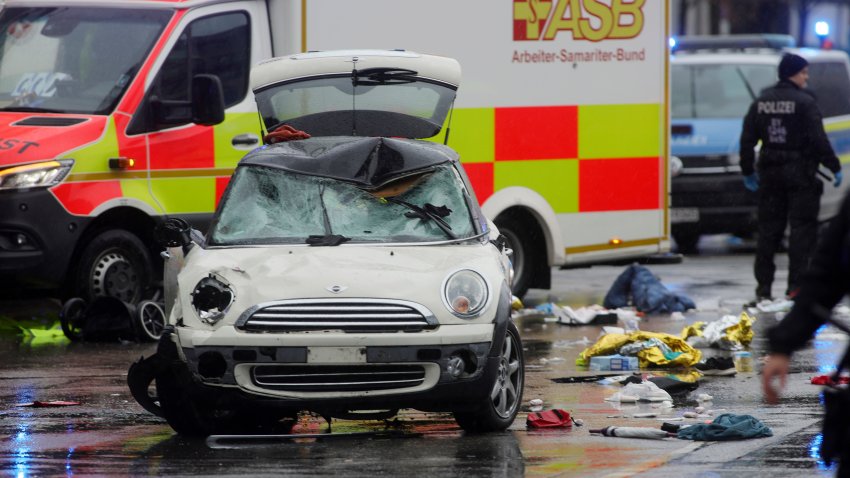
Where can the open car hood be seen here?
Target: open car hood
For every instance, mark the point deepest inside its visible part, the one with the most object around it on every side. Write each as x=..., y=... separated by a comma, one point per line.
x=357, y=93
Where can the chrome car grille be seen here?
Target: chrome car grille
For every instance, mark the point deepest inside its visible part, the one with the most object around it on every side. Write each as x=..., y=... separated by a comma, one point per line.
x=337, y=378
x=347, y=315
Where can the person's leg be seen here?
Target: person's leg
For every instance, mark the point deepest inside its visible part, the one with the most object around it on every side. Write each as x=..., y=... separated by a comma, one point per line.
x=772, y=218
x=803, y=209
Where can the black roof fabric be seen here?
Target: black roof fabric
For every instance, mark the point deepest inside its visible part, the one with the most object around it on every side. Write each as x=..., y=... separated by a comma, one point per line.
x=369, y=162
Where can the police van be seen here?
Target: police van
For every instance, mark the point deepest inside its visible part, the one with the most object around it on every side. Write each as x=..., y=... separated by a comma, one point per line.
x=713, y=82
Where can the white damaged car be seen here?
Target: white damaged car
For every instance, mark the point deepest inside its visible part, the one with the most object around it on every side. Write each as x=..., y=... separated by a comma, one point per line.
x=350, y=274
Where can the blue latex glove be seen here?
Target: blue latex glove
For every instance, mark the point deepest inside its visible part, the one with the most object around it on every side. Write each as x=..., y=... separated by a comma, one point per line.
x=751, y=182
x=837, y=177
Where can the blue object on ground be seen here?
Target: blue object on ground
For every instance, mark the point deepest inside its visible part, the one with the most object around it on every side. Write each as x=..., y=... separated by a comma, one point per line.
x=648, y=294
x=726, y=427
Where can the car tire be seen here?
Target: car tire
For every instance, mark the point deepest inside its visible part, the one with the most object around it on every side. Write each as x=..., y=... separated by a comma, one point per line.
x=500, y=407
x=72, y=318
x=523, y=257
x=686, y=241
x=114, y=263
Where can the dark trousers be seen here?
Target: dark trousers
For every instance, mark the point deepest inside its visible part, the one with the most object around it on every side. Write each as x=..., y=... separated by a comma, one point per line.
x=778, y=206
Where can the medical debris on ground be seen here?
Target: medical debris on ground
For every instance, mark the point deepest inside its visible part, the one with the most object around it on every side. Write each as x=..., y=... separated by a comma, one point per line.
x=652, y=371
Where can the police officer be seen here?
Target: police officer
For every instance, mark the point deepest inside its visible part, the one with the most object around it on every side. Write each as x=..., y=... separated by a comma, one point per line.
x=787, y=121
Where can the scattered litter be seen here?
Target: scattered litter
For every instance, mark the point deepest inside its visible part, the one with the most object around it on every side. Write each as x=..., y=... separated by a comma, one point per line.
x=644, y=415
x=564, y=314
x=772, y=306
x=565, y=344
x=535, y=409
x=554, y=418
x=699, y=409
x=536, y=402
x=633, y=432
x=644, y=392
x=677, y=316
x=603, y=379
x=827, y=380
x=668, y=351
x=690, y=414
x=672, y=419
x=612, y=330
x=639, y=287
x=579, y=422
x=726, y=427
x=704, y=397
x=50, y=403
x=613, y=362
x=545, y=360
x=728, y=333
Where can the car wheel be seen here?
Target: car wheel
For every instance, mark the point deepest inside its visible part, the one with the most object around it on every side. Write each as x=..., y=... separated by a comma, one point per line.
x=686, y=241
x=188, y=417
x=522, y=258
x=151, y=317
x=501, y=405
x=115, y=263
x=72, y=318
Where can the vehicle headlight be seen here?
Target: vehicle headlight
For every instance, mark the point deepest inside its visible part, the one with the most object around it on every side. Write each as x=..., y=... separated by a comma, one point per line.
x=35, y=175
x=465, y=293
x=212, y=298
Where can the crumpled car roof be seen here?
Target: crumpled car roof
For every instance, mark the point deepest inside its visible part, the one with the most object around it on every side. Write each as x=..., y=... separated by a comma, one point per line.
x=369, y=162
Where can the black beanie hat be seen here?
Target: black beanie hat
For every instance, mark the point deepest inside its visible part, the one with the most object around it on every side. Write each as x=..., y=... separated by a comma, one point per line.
x=790, y=65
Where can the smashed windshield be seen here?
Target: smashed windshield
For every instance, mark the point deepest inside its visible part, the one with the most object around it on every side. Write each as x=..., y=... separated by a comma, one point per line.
x=717, y=91
x=72, y=59
x=374, y=103
x=274, y=206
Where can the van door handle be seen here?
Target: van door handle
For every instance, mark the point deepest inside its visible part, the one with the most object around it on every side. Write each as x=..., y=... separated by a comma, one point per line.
x=247, y=139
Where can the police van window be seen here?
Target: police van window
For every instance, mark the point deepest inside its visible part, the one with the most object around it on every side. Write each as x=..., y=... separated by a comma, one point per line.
x=830, y=83
x=717, y=91
x=218, y=45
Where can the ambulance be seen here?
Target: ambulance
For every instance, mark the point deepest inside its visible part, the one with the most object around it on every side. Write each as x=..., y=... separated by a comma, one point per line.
x=116, y=115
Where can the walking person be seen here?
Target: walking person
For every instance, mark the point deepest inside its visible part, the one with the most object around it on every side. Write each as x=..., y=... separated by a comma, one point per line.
x=786, y=120
x=825, y=282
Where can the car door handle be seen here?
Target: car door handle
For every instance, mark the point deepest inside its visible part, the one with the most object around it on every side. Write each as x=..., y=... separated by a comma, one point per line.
x=246, y=139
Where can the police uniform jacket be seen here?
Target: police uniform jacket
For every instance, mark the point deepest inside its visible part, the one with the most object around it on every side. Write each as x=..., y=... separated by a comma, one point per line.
x=787, y=121
x=824, y=284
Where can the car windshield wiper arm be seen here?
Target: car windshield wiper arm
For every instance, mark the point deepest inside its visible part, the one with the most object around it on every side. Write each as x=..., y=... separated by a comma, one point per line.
x=428, y=212
x=30, y=109
x=328, y=238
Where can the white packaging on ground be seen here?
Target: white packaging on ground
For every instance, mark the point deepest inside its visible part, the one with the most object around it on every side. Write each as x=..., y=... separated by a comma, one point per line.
x=640, y=392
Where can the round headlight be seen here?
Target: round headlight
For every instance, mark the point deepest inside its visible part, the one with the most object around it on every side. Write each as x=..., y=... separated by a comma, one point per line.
x=465, y=293
x=212, y=298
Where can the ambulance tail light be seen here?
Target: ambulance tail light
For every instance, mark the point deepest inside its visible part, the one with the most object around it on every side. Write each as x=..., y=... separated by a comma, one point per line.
x=35, y=175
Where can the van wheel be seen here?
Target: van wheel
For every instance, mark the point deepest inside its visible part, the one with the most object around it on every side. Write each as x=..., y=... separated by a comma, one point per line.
x=115, y=263
x=523, y=257
x=686, y=241
x=501, y=405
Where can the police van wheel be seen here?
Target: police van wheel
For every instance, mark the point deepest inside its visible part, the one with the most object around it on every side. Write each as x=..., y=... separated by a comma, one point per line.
x=115, y=263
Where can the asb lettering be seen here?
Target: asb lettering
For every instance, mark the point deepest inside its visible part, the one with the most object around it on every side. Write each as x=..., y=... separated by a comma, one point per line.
x=591, y=20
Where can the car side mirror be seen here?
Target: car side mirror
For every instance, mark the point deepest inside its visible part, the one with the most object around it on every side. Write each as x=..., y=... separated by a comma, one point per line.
x=205, y=108
x=174, y=232
x=207, y=100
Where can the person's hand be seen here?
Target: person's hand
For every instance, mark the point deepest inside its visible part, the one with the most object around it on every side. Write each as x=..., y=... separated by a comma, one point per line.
x=836, y=179
x=751, y=182
x=775, y=369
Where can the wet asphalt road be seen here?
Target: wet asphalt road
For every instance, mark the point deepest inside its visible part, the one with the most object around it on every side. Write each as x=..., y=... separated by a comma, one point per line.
x=108, y=434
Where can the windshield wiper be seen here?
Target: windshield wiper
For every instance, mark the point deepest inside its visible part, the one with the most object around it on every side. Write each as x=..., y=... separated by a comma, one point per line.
x=30, y=109
x=383, y=76
x=428, y=212
x=328, y=238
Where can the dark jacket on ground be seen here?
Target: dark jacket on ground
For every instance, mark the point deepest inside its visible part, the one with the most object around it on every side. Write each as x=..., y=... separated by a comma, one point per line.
x=824, y=284
x=787, y=121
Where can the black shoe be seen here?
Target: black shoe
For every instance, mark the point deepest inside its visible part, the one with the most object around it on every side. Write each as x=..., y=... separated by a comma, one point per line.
x=723, y=366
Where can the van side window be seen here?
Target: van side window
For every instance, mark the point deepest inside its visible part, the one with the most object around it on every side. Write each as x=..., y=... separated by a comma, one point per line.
x=218, y=45
x=831, y=84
